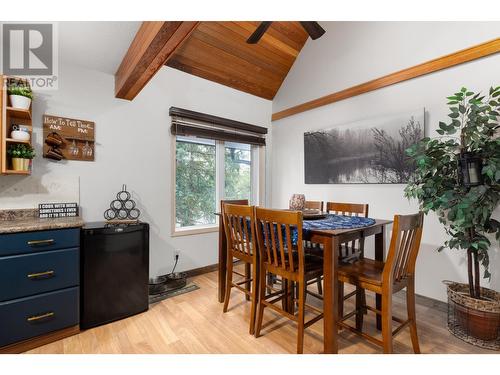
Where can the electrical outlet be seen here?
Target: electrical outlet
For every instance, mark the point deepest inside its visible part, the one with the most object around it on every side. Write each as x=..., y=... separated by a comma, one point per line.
x=177, y=254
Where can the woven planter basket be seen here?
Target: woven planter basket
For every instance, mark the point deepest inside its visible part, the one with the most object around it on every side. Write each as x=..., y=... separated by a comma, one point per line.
x=476, y=321
x=459, y=293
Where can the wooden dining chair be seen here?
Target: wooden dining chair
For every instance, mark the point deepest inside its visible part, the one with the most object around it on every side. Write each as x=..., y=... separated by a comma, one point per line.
x=239, y=225
x=398, y=272
x=347, y=209
x=280, y=256
x=222, y=233
x=314, y=205
x=349, y=251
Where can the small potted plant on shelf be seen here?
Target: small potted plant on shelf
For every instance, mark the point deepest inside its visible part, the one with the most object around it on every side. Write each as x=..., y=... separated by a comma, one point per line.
x=20, y=95
x=458, y=177
x=21, y=155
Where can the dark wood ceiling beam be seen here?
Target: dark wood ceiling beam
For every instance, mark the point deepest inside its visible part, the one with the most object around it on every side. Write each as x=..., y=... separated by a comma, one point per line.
x=154, y=44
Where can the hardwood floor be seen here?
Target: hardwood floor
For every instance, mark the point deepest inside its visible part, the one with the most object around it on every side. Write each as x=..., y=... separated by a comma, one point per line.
x=194, y=323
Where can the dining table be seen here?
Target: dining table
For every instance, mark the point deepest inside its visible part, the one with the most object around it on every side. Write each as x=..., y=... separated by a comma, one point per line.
x=330, y=238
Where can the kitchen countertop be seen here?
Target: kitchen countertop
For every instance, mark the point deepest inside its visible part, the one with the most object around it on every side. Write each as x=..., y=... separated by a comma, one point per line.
x=15, y=221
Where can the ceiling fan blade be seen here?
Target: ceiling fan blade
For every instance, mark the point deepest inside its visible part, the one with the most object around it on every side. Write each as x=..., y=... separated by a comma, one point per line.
x=313, y=29
x=257, y=34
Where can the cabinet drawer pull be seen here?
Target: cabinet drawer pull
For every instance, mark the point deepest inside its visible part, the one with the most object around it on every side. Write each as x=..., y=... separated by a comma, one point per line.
x=38, y=275
x=41, y=242
x=36, y=318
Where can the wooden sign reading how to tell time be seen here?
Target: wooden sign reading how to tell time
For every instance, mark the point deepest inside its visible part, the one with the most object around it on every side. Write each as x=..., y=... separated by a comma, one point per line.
x=67, y=138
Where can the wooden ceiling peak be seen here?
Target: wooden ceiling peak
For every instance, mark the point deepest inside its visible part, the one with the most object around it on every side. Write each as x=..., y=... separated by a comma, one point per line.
x=216, y=51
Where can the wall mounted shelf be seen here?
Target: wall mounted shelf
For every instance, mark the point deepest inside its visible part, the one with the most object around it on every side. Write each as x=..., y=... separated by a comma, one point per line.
x=17, y=113
x=10, y=140
x=11, y=116
x=11, y=171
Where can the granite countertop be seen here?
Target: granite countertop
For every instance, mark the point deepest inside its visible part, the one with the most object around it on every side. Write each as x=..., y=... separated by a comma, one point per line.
x=14, y=221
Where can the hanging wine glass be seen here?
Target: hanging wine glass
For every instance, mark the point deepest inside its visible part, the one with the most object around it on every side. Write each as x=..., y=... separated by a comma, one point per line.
x=73, y=150
x=90, y=151
x=87, y=150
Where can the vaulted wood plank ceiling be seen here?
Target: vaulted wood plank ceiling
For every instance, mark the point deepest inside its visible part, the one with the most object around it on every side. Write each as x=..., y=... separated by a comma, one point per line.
x=218, y=51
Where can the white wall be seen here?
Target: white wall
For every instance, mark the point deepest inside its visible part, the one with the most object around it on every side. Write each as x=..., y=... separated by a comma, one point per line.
x=354, y=52
x=30, y=191
x=133, y=146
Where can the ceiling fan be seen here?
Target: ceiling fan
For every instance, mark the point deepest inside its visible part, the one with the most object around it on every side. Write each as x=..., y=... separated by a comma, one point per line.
x=313, y=29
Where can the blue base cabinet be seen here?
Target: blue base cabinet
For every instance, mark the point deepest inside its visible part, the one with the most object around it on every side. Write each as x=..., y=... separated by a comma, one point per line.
x=39, y=284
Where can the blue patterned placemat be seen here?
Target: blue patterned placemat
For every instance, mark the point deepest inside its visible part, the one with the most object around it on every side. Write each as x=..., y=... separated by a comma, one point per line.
x=330, y=222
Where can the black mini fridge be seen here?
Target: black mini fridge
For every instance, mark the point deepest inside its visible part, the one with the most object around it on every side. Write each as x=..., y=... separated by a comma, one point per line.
x=114, y=272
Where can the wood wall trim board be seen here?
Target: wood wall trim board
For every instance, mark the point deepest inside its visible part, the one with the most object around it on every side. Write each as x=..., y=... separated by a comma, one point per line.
x=154, y=44
x=469, y=54
x=202, y=270
x=35, y=342
x=207, y=269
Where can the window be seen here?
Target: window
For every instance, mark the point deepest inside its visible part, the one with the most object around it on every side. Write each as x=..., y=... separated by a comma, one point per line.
x=237, y=171
x=195, y=182
x=207, y=171
x=215, y=159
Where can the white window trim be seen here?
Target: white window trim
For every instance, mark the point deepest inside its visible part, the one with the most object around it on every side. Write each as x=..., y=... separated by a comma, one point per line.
x=257, y=192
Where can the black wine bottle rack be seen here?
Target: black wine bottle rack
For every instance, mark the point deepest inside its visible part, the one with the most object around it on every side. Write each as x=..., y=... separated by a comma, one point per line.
x=122, y=208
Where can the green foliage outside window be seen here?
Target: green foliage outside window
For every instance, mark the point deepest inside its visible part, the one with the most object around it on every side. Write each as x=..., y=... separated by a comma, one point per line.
x=237, y=173
x=195, y=184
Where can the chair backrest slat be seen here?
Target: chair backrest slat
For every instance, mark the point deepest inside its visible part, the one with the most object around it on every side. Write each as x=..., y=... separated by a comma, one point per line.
x=289, y=246
x=403, y=269
x=282, y=247
x=274, y=230
x=267, y=241
x=404, y=247
x=245, y=232
x=273, y=245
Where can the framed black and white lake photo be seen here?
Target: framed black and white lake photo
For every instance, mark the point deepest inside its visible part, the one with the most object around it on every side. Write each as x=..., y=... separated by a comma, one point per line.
x=364, y=152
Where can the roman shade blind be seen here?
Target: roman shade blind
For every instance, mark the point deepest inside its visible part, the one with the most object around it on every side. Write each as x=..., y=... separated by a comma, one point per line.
x=191, y=123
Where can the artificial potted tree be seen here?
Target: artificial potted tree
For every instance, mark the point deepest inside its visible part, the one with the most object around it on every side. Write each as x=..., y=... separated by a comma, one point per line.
x=458, y=177
x=21, y=155
x=20, y=95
